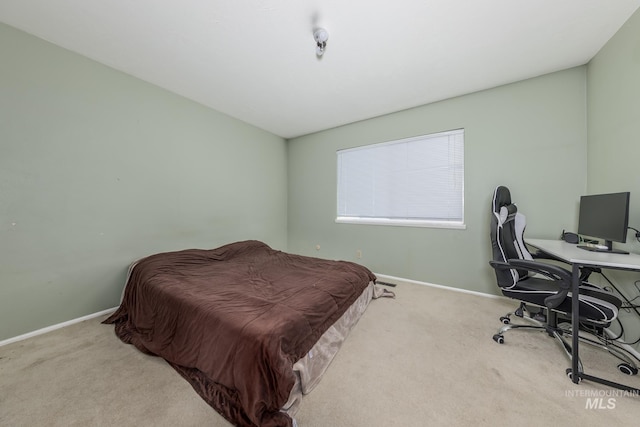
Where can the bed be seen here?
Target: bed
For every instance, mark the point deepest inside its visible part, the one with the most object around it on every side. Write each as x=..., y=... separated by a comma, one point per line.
x=251, y=328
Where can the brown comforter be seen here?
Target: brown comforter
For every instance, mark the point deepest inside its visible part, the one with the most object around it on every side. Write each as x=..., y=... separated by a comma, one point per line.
x=234, y=320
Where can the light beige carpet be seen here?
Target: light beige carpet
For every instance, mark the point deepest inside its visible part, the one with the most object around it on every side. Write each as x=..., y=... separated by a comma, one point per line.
x=424, y=358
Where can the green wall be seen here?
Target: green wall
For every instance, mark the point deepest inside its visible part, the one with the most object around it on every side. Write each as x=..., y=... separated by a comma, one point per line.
x=614, y=139
x=614, y=118
x=530, y=136
x=98, y=168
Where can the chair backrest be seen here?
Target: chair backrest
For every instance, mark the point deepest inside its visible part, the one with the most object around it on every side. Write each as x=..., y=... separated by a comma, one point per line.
x=507, y=236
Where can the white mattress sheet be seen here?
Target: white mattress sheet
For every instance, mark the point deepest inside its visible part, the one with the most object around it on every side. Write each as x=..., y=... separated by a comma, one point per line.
x=310, y=368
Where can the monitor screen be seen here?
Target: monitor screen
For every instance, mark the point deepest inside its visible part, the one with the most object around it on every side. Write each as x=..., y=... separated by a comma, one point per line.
x=605, y=216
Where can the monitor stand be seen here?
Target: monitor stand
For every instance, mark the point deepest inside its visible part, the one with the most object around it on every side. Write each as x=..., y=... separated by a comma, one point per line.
x=606, y=248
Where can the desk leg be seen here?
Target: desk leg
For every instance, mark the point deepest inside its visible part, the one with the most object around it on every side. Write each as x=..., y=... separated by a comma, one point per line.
x=575, y=323
x=576, y=372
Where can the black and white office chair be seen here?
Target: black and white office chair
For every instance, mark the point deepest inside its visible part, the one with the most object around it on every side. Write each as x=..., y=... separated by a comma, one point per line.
x=546, y=287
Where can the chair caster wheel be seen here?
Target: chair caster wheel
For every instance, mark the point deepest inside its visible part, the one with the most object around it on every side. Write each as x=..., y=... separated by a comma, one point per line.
x=505, y=320
x=627, y=369
x=570, y=375
x=498, y=338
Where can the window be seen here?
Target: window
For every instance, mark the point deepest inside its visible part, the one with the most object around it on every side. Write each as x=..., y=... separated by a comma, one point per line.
x=415, y=181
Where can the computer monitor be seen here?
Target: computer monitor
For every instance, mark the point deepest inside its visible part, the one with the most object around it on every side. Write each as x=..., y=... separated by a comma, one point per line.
x=606, y=217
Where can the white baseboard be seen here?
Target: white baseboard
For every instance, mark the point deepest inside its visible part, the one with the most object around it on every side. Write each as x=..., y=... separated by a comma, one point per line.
x=382, y=277
x=385, y=278
x=398, y=280
x=58, y=326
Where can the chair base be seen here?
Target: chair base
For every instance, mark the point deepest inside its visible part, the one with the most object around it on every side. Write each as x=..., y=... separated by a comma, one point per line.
x=548, y=323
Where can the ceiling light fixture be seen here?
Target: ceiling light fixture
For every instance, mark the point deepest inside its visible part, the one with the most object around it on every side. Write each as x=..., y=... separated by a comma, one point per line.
x=320, y=36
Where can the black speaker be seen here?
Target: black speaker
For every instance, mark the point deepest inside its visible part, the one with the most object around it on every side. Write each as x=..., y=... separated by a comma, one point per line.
x=570, y=237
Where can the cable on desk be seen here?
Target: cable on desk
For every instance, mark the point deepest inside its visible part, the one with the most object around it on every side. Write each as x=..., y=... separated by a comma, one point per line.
x=637, y=290
x=630, y=306
x=637, y=233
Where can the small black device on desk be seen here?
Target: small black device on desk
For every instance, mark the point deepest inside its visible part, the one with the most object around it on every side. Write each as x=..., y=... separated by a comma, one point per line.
x=570, y=237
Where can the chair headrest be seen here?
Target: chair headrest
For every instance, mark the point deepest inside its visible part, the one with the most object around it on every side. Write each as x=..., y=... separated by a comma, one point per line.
x=507, y=212
x=501, y=197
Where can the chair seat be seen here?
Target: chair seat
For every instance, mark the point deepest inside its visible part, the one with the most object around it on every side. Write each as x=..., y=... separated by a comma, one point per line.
x=596, y=305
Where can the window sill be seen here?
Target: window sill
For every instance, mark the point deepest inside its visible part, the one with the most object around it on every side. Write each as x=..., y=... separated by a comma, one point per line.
x=402, y=222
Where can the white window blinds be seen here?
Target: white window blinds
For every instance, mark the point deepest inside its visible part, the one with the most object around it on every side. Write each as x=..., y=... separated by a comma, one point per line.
x=415, y=181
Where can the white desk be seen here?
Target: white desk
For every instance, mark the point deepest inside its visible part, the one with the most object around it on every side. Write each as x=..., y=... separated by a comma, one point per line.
x=578, y=258
x=571, y=253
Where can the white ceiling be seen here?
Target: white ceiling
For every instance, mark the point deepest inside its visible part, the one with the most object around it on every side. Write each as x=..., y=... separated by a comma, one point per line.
x=255, y=59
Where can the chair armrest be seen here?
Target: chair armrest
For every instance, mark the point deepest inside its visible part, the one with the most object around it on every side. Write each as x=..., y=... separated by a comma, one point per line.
x=551, y=271
x=560, y=276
